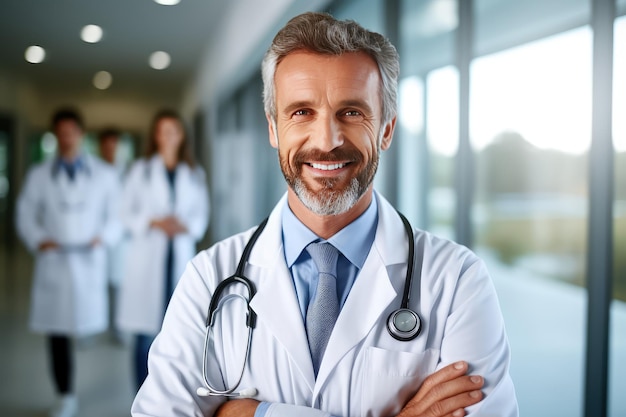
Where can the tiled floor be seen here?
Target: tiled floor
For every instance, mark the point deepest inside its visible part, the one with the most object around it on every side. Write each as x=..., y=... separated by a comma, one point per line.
x=102, y=365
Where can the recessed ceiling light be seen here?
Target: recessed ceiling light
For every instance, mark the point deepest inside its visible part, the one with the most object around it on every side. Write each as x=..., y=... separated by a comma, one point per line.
x=91, y=33
x=160, y=60
x=167, y=2
x=35, y=54
x=102, y=80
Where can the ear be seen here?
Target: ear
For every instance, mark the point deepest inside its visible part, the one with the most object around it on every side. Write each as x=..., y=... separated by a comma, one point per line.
x=271, y=127
x=388, y=134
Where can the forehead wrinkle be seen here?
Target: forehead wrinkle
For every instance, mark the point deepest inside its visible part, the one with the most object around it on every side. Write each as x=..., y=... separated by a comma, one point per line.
x=308, y=85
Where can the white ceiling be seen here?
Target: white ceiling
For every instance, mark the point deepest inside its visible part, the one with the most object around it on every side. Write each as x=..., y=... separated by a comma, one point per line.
x=133, y=29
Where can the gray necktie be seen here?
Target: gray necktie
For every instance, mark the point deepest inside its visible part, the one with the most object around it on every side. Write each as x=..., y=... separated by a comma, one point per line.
x=324, y=308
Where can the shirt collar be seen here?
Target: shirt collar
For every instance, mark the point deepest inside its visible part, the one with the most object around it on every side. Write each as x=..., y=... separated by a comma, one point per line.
x=79, y=163
x=353, y=241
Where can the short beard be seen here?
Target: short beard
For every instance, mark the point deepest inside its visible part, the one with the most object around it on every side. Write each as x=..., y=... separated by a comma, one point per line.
x=329, y=200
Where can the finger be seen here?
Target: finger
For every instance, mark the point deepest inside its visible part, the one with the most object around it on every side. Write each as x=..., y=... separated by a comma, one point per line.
x=446, y=373
x=453, y=395
x=447, y=396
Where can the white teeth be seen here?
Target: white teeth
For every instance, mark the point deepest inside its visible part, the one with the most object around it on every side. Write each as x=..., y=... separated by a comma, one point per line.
x=327, y=167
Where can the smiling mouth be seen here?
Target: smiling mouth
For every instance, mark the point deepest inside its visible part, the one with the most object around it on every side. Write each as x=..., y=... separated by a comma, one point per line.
x=327, y=167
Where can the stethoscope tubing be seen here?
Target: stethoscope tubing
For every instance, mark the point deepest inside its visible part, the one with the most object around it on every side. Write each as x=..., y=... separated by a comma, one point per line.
x=392, y=323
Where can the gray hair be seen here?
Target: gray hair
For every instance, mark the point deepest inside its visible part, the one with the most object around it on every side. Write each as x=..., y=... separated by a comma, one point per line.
x=321, y=33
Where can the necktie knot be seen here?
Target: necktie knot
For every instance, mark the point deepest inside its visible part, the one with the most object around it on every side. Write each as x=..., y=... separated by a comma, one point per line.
x=325, y=257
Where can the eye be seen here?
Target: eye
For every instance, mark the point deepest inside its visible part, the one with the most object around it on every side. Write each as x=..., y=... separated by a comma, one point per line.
x=353, y=113
x=301, y=112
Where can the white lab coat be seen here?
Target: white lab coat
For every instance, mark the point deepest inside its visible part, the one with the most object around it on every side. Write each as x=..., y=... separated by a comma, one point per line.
x=69, y=291
x=364, y=372
x=116, y=253
x=146, y=197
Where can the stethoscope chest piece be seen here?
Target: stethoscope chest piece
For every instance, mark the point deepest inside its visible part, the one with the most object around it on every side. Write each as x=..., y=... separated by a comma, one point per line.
x=404, y=324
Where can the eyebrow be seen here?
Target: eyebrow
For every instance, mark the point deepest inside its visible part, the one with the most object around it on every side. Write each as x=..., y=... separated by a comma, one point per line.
x=303, y=104
x=297, y=105
x=362, y=104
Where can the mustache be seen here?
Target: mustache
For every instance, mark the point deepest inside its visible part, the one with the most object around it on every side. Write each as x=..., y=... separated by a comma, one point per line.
x=336, y=155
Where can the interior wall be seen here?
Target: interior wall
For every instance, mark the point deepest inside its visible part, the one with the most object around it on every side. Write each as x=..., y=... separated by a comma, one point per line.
x=251, y=25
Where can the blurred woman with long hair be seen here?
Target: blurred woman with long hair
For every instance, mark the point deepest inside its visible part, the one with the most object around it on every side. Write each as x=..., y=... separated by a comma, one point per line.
x=165, y=209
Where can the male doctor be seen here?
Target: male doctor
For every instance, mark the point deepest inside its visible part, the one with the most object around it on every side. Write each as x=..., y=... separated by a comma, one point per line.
x=66, y=212
x=329, y=269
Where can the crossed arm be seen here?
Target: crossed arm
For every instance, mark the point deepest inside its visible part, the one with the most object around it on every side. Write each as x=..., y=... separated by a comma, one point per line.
x=445, y=393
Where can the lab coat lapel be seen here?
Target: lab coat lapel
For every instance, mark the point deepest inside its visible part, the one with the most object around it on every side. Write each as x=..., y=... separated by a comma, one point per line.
x=276, y=302
x=373, y=291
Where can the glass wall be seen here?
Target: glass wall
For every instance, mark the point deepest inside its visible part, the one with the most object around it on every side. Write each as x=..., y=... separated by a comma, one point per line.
x=427, y=131
x=530, y=124
x=617, y=358
x=442, y=134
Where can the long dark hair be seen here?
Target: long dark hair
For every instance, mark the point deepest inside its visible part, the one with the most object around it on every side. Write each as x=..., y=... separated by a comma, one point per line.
x=184, y=151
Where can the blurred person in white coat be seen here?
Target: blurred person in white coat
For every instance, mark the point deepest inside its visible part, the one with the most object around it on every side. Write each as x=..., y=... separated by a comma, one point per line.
x=165, y=209
x=245, y=333
x=108, y=149
x=66, y=213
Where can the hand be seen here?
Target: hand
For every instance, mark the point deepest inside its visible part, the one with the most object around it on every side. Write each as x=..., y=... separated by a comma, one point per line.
x=48, y=245
x=244, y=407
x=445, y=393
x=170, y=225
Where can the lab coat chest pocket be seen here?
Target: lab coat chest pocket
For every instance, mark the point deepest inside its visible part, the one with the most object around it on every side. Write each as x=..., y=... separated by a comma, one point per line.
x=391, y=378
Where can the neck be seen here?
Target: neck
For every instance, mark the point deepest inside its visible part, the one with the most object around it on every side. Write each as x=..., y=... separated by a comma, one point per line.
x=170, y=159
x=327, y=226
x=68, y=155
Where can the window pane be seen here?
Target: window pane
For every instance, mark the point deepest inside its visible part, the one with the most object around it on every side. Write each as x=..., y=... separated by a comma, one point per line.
x=530, y=123
x=427, y=34
x=369, y=13
x=409, y=138
x=617, y=360
x=428, y=113
x=443, y=142
x=502, y=24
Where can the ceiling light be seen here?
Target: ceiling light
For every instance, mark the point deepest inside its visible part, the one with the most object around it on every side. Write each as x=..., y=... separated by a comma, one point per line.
x=91, y=33
x=167, y=2
x=160, y=60
x=102, y=80
x=35, y=54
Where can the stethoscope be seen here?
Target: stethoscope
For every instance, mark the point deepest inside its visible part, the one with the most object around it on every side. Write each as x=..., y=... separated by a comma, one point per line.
x=403, y=324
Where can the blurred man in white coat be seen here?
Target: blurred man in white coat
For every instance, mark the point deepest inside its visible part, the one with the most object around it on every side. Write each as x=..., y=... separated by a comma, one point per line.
x=351, y=311
x=109, y=140
x=66, y=213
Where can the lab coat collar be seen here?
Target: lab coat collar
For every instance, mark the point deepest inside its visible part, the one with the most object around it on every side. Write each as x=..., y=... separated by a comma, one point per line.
x=275, y=302
x=82, y=162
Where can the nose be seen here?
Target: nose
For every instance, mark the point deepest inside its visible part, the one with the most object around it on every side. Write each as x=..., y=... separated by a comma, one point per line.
x=327, y=134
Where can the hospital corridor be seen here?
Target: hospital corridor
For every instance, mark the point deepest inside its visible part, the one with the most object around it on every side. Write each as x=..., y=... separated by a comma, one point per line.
x=102, y=363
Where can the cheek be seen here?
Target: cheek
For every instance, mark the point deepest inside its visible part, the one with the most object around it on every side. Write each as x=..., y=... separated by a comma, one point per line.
x=366, y=141
x=289, y=140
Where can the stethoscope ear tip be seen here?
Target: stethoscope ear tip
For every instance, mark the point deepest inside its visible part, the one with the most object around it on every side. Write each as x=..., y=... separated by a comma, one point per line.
x=203, y=392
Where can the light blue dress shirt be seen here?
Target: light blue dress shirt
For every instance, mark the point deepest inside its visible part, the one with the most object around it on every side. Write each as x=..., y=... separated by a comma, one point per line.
x=70, y=167
x=353, y=242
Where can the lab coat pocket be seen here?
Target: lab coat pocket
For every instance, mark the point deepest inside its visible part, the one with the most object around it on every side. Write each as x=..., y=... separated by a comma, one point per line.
x=391, y=378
